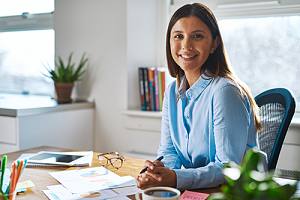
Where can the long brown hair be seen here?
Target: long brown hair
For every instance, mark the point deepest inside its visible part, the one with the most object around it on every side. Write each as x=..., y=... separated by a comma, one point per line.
x=216, y=63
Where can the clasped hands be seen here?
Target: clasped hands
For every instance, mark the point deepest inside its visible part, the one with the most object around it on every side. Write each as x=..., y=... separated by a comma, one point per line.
x=156, y=175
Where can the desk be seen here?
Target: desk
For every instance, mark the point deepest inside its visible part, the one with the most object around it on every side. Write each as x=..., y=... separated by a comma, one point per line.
x=41, y=177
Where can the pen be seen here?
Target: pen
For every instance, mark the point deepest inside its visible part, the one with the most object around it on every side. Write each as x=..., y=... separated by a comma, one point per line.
x=12, y=177
x=157, y=159
x=20, y=168
x=3, y=167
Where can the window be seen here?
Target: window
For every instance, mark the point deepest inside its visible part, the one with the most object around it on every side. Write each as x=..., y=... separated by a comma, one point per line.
x=26, y=46
x=264, y=52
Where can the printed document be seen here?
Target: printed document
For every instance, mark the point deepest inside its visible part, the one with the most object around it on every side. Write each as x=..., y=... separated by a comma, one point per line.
x=58, y=192
x=91, y=179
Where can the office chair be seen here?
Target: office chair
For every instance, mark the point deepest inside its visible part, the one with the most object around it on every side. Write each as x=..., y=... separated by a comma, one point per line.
x=276, y=109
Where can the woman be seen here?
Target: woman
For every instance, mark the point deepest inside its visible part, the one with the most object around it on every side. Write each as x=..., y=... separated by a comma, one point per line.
x=209, y=116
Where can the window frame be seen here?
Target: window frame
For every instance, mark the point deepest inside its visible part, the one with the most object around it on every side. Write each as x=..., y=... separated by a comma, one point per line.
x=26, y=22
x=259, y=9
x=244, y=8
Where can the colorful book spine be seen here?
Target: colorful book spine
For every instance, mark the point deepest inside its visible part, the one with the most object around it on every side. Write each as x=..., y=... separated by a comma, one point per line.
x=142, y=88
x=156, y=89
x=151, y=88
x=163, y=84
x=147, y=94
x=159, y=90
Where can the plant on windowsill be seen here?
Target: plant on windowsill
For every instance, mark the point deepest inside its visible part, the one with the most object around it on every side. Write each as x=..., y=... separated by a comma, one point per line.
x=65, y=75
x=246, y=182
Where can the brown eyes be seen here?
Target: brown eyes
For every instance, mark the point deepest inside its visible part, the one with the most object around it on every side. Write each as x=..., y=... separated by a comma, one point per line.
x=179, y=36
x=196, y=36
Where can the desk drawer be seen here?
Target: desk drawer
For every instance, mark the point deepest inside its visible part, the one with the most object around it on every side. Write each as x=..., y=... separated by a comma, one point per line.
x=8, y=130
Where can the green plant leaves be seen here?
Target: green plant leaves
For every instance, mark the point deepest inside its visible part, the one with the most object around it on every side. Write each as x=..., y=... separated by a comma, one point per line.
x=245, y=182
x=67, y=72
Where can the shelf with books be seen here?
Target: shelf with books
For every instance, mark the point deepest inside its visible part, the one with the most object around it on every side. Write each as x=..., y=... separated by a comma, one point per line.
x=152, y=84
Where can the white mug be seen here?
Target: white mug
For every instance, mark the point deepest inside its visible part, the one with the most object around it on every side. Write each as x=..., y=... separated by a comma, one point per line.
x=159, y=193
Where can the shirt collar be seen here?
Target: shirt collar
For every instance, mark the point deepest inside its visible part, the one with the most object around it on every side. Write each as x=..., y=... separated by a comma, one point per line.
x=196, y=89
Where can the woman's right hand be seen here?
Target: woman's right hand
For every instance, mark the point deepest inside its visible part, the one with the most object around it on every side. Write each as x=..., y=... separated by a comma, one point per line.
x=152, y=164
x=156, y=175
x=143, y=179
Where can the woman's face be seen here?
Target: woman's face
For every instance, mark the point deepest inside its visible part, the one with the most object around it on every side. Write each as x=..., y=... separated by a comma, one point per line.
x=191, y=43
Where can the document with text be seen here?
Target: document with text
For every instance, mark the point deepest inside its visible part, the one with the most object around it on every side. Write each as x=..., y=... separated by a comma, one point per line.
x=91, y=179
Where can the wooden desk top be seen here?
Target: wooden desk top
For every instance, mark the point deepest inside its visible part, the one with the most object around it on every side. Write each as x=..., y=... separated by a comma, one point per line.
x=41, y=177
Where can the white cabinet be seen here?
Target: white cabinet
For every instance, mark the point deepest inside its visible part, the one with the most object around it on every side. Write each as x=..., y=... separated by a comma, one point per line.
x=70, y=129
x=8, y=134
x=68, y=125
x=143, y=127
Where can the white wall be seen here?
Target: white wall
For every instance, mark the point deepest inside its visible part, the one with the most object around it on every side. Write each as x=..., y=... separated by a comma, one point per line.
x=118, y=36
x=146, y=22
x=98, y=27
x=141, y=43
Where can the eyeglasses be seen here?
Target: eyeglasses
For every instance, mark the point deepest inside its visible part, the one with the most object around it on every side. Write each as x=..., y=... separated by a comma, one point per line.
x=111, y=158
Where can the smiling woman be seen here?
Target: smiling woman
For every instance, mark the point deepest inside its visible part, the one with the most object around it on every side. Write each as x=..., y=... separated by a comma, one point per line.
x=209, y=116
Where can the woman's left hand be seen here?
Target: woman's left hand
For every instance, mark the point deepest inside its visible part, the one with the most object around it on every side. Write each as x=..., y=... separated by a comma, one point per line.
x=157, y=176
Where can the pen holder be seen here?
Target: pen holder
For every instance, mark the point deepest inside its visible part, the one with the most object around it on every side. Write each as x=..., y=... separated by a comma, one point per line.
x=9, y=178
x=10, y=196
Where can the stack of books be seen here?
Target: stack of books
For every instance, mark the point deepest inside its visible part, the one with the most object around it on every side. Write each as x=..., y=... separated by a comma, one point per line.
x=152, y=84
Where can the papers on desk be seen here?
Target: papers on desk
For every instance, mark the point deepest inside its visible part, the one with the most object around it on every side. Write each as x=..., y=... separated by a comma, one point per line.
x=189, y=195
x=91, y=183
x=58, y=192
x=91, y=179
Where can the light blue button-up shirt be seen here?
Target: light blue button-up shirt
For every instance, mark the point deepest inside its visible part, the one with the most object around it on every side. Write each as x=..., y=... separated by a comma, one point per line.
x=204, y=127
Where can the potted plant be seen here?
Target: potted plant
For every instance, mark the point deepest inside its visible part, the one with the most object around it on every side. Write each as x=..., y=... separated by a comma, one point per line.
x=246, y=182
x=64, y=75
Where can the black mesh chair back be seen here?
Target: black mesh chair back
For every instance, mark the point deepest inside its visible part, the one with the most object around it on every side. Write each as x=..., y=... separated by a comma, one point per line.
x=276, y=109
